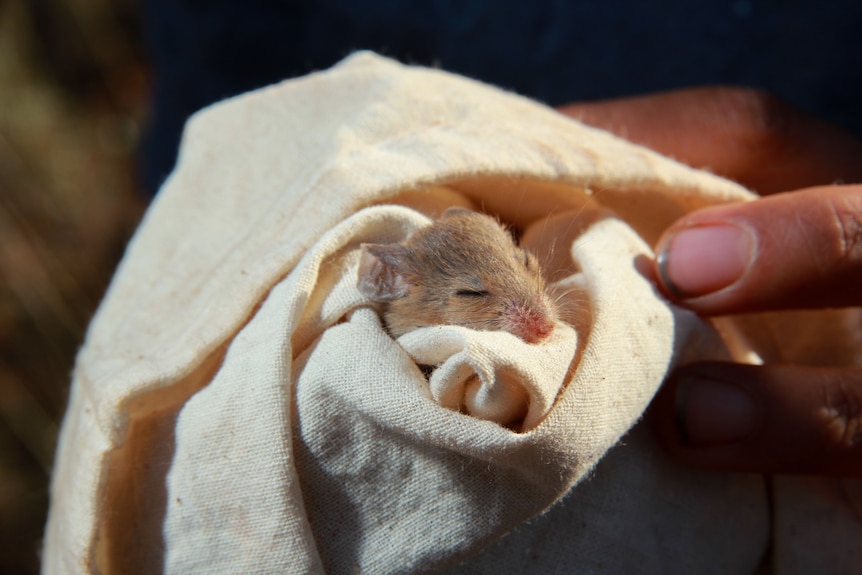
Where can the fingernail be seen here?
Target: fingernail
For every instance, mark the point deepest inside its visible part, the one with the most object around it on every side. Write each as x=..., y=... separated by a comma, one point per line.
x=700, y=260
x=711, y=412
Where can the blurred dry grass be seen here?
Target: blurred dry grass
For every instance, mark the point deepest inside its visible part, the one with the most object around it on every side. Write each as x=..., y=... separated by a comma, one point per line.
x=73, y=86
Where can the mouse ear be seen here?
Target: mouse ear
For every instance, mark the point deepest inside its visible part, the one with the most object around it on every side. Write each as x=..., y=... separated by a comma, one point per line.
x=456, y=211
x=382, y=271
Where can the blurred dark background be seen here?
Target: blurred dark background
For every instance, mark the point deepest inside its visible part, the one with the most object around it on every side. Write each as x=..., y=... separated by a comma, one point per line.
x=808, y=52
x=94, y=94
x=73, y=89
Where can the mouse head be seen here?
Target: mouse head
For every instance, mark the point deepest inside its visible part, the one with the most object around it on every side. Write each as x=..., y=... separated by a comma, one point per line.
x=464, y=269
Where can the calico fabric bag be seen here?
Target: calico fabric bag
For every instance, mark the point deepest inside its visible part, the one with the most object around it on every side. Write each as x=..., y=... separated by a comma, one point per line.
x=239, y=408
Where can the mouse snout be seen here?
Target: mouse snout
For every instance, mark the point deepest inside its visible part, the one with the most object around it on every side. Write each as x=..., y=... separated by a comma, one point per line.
x=531, y=321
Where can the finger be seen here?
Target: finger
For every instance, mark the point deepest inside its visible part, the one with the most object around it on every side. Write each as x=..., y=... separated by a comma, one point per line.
x=742, y=134
x=777, y=419
x=789, y=251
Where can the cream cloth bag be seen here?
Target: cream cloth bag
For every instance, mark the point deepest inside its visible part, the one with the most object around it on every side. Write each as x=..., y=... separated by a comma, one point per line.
x=238, y=407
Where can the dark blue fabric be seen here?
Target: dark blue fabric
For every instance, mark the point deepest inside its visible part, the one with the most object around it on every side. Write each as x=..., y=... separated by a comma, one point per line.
x=557, y=51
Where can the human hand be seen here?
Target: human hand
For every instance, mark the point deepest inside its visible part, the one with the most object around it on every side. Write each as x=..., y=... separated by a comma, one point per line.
x=792, y=250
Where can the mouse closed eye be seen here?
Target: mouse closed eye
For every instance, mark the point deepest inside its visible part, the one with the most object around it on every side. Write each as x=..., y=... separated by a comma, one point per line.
x=471, y=293
x=464, y=269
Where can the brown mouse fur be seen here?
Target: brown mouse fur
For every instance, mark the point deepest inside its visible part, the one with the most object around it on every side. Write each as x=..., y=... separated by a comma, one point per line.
x=465, y=269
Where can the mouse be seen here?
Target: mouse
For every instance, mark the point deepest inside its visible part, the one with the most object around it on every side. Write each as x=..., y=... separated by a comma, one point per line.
x=465, y=269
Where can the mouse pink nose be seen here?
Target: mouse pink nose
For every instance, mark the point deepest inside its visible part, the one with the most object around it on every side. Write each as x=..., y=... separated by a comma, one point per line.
x=532, y=323
x=535, y=328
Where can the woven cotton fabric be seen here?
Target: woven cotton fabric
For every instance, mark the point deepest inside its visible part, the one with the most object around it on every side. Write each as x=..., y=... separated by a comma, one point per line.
x=238, y=406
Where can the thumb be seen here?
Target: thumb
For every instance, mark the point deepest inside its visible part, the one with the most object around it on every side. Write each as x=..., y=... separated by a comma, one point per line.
x=795, y=250
x=775, y=419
